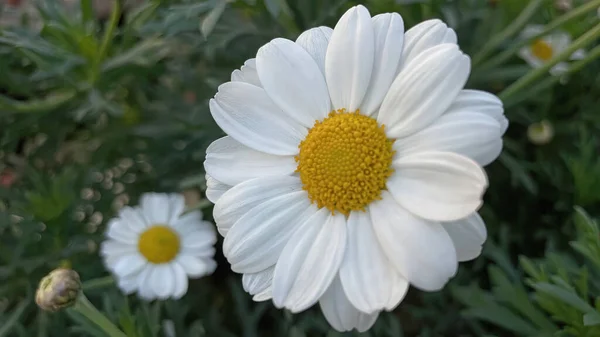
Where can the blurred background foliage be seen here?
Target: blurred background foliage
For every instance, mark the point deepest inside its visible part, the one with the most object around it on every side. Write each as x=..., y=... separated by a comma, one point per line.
x=99, y=105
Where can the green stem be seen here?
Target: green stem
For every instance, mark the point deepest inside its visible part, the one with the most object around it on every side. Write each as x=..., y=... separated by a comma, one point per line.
x=534, y=74
x=107, y=38
x=509, y=31
x=591, y=56
x=87, y=309
x=97, y=283
x=571, y=15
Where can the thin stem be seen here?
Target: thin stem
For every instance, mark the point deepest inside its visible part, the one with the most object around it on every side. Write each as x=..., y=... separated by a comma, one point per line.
x=107, y=38
x=509, y=31
x=87, y=309
x=534, y=74
x=591, y=56
x=571, y=15
x=98, y=283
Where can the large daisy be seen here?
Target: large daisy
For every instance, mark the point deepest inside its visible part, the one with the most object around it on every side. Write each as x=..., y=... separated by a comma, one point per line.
x=352, y=166
x=153, y=249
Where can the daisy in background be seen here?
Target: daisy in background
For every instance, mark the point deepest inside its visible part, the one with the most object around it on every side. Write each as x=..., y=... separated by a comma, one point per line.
x=352, y=166
x=543, y=49
x=154, y=248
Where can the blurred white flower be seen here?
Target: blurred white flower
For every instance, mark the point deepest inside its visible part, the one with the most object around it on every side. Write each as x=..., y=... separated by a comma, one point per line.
x=153, y=249
x=352, y=166
x=543, y=49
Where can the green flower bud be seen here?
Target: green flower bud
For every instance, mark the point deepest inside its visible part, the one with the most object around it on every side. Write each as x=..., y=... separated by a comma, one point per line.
x=58, y=290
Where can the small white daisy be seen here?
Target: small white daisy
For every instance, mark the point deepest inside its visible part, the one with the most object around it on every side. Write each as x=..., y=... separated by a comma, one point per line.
x=543, y=49
x=352, y=166
x=153, y=249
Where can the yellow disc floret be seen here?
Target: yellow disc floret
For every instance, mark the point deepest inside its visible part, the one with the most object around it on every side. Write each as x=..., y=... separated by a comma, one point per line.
x=344, y=161
x=542, y=50
x=159, y=244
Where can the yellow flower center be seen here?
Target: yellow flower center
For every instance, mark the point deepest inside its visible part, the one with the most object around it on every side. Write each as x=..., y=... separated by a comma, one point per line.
x=159, y=244
x=344, y=161
x=542, y=50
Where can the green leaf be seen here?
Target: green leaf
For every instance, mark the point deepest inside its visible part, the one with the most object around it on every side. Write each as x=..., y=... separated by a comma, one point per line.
x=503, y=317
x=566, y=296
x=514, y=294
x=591, y=319
x=144, y=54
x=519, y=173
x=211, y=19
x=14, y=317
x=52, y=101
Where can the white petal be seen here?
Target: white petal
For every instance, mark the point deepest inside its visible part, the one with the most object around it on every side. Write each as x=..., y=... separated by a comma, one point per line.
x=424, y=36
x=180, y=281
x=134, y=218
x=256, y=240
x=145, y=286
x=526, y=54
x=211, y=265
x=128, y=285
x=246, y=113
x=156, y=208
x=176, y=207
x=439, y=186
x=121, y=232
x=420, y=250
x=424, y=90
x=199, y=242
x=243, y=197
x=247, y=73
x=579, y=54
x=309, y=261
x=315, y=41
x=559, y=41
x=366, y=274
x=255, y=283
x=189, y=222
x=531, y=30
x=199, y=251
x=389, y=39
x=293, y=80
x=340, y=313
x=162, y=281
x=230, y=162
x=128, y=265
x=559, y=69
x=482, y=102
x=349, y=59
x=471, y=134
x=116, y=248
x=194, y=267
x=264, y=295
x=215, y=189
x=468, y=235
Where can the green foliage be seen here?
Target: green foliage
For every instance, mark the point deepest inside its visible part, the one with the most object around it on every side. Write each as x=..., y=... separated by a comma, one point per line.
x=557, y=296
x=95, y=111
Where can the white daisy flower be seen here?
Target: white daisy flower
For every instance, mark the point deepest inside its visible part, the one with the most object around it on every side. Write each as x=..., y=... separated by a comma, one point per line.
x=153, y=249
x=543, y=49
x=352, y=166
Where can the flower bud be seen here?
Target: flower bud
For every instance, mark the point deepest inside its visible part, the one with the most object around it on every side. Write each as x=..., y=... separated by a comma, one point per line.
x=540, y=133
x=58, y=290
